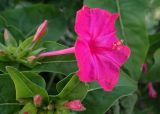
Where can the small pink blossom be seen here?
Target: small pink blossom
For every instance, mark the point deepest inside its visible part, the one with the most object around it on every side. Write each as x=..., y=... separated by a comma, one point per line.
x=144, y=68
x=40, y=31
x=152, y=91
x=75, y=105
x=37, y=100
x=98, y=51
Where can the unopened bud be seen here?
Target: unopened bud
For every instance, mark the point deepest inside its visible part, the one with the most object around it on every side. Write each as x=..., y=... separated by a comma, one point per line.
x=37, y=100
x=40, y=31
x=6, y=34
x=144, y=68
x=31, y=58
x=50, y=107
x=152, y=92
x=75, y=105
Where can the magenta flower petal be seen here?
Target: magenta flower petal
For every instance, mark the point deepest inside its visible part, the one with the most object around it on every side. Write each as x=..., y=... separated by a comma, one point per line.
x=99, y=52
x=85, y=65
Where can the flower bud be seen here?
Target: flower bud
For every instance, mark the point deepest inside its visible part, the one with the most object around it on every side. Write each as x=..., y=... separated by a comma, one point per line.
x=37, y=100
x=152, y=91
x=75, y=105
x=40, y=31
x=31, y=58
x=6, y=34
x=50, y=107
x=144, y=68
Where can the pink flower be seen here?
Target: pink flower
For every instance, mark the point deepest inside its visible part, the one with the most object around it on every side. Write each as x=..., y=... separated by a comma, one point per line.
x=98, y=51
x=144, y=68
x=152, y=91
x=40, y=31
x=74, y=105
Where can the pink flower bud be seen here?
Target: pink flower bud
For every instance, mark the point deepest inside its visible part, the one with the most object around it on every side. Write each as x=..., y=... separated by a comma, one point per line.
x=40, y=31
x=144, y=68
x=75, y=105
x=37, y=100
x=152, y=91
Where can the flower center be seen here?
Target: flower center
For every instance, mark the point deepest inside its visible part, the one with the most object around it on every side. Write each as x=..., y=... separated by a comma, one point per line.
x=117, y=44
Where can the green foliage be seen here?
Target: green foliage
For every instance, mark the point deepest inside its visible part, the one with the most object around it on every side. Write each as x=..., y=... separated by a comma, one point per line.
x=26, y=19
x=99, y=101
x=25, y=88
x=24, y=76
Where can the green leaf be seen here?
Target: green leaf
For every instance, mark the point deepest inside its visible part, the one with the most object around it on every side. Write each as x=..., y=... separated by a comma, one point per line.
x=23, y=47
x=154, y=41
x=8, y=103
x=74, y=89
x=154, y=72
x=30, y=108
x=12, y=29
x=9, y=108
x=128, y=104
x=63, y=67
x=29, y=18
x=99, y=101
x=25, y=88
x=131, y=27
x=61, y=84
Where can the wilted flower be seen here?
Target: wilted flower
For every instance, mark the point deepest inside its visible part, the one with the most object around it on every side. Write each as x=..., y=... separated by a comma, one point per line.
x=98, y=51
x=40, y=31
x=75, y=105
x=152, y=92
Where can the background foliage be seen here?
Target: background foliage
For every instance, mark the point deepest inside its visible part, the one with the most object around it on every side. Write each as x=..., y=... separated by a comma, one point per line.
x=55, y=79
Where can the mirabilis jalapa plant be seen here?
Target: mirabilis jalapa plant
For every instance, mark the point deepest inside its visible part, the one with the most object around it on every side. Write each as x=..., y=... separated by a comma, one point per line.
x=98, y=51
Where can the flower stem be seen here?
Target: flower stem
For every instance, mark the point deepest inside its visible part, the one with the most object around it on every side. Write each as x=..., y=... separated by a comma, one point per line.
x=58, y=52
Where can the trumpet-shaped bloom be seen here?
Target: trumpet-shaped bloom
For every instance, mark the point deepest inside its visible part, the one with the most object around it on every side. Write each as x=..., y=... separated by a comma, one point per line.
x=98, y=51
